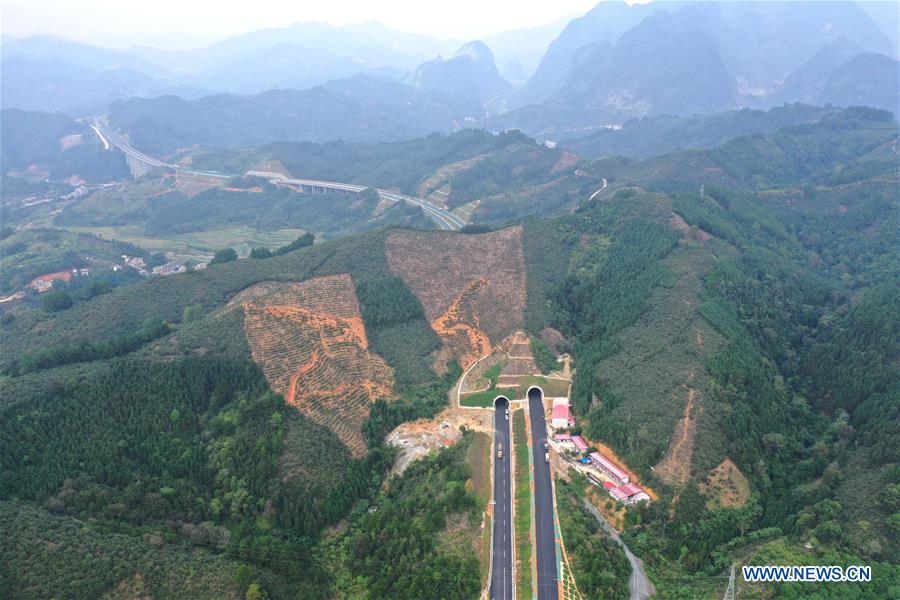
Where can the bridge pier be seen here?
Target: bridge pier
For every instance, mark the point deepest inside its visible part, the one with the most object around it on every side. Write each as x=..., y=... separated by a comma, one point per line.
x=137, y=167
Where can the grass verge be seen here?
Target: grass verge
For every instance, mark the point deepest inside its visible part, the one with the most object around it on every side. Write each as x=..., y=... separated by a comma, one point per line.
x=479, y=460
x=523, y=507
x=483, y=399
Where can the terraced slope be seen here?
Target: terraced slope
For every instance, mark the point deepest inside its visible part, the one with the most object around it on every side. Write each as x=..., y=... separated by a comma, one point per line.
x=310, y=341
x=472, y=287
x=521, y=362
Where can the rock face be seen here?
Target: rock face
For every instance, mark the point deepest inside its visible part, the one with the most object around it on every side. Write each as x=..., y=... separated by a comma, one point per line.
x=685, y=58
x=469, y=76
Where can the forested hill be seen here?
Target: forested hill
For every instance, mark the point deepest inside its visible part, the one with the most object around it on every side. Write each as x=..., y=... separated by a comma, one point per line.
x=653, y=136
x=733, y=318
x=358, y=108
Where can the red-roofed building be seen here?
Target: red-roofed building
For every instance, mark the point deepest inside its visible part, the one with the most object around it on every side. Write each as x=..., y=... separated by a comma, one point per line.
x=631, y=489
x=559, y=418
x=609, y=467
x=618, y=494
x=609, y=485
x=579, y=443
x=563, y=437
x=628, y=493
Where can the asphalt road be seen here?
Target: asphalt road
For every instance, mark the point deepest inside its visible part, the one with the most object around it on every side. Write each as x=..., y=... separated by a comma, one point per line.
x=543, y=502
x=501, y=553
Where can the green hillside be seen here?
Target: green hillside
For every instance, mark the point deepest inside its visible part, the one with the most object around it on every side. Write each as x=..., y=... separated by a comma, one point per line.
x=34, y=140
x=27, y=253
x=727, y=322
x=733, y=306
x=653, y=136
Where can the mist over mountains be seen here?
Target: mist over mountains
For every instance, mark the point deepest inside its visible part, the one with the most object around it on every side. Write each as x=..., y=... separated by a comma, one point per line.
x=368, y=82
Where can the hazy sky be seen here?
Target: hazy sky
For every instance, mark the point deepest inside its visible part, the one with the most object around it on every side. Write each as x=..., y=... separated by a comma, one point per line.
x=190, y=22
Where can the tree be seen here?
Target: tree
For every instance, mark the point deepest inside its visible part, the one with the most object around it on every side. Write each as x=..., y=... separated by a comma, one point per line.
x=224, y=256
x=307, y=239
x=260, y=253
x=543, y=356
x=254, y=592
x=56, y=301
x=194, y=312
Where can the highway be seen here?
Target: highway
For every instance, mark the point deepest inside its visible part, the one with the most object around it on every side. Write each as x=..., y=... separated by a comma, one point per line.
x=545, y=540
x=501, y=585
x=445, y=219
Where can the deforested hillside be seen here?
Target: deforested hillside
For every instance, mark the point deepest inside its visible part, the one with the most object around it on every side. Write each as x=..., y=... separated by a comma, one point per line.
x=310, y=341
x=471, y=287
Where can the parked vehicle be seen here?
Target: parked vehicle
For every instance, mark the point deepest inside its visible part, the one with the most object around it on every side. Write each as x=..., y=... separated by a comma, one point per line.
x=546, y=457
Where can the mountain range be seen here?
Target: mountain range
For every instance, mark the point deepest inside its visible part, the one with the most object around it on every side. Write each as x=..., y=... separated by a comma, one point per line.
x=614, y=62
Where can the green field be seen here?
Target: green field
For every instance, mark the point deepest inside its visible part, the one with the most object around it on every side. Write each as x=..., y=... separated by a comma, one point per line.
x=484, y=399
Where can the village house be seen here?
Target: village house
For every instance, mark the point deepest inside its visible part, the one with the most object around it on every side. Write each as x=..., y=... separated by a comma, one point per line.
x=169, y=269
x=43, y=283
x=564, y=440
x=135, y=262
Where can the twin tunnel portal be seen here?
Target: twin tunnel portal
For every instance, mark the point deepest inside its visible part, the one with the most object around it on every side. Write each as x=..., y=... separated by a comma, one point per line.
x=543, y=536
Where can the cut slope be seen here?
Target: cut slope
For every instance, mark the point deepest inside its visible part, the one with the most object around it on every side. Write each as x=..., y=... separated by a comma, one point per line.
x=676, y=466
x=472, y=287
x=521, y=361
x=310, y=341
x=726, y=486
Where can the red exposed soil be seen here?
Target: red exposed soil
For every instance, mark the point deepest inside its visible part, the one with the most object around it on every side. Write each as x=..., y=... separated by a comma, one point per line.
x=566, y=161
x=472, y=287
x=459, y=327
x=310, y=341
x=676, y=466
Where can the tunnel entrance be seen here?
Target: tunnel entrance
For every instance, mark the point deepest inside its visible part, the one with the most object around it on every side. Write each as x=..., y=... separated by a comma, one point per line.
x=535, y=392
